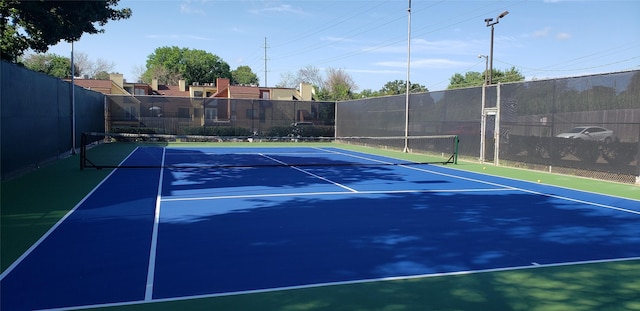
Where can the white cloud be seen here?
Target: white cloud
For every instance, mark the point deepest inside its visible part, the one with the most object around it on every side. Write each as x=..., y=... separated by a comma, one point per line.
x=336, y=39
x=542, y=33
x=283, y=8
x=563, y=36
x=188, y=8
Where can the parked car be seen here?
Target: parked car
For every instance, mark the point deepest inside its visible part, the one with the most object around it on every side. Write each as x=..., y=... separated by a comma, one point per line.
x=595, y=133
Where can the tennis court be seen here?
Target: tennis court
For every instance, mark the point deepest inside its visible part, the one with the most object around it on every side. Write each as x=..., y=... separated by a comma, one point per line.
x=185, y=222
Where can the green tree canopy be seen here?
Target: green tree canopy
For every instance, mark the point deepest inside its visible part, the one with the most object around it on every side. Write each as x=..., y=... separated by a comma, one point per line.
x=474, y=78
x=244, y=75
x=51, y=64
x=169, y=64
x=398, y=87
x=39, y=24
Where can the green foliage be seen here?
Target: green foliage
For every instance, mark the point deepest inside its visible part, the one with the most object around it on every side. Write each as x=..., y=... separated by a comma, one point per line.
x=102, y=75
x=398, y=87
x=469, y=79
x=244, y=75
x=367, y=93
x=37, y=25
x=169, y=64
x=51, y=64
x=473, y=78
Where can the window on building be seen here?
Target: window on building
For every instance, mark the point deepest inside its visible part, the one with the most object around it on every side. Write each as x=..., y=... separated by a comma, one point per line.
x=211, y=113
x=252, y=113
x=129, y=112
x=139, y=92
x=184, y=113
x=197, y=93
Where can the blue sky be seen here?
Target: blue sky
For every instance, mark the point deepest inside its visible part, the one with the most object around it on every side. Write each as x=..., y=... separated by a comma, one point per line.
x=368, y=39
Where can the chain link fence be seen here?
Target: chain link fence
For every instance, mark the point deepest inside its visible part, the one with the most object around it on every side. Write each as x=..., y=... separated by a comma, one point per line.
x=587, y=126
x=217, y=116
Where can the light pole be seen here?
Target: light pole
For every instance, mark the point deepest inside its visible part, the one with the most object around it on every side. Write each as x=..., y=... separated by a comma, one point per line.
x=483, y=118
x=490, y=22
x=486, y=67
x=408, y=84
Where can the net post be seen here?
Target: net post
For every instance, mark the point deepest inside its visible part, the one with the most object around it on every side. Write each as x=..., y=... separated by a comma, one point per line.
x=456, y=141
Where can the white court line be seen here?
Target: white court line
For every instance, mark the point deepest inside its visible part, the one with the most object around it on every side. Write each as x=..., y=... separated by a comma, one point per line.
x=311, y=174
x=355, y=156
x=529, y=191
x=54, y=227
x=508, y=187
x=294, y=194
x=148, y=294
x=352, y=282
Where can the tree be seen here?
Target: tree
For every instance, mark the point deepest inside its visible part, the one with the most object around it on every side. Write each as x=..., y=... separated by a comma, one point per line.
x=244, y=75
x=474, y=78
x=37, y=25
x=398, y=87
x=367, y=93
x=51, y=64
x=169, y=64
x=309, y=74
x=92, y=69
x=287, y=79
x=102, y=75
x=339, y=85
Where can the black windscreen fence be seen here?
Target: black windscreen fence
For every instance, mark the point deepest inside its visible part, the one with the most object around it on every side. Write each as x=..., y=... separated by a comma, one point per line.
x=587, y=126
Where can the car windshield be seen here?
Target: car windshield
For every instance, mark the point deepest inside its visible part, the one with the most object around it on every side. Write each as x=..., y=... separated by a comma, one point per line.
x=576, y=130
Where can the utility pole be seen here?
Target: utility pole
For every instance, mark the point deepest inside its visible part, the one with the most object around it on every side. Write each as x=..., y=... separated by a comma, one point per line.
x=265, y=62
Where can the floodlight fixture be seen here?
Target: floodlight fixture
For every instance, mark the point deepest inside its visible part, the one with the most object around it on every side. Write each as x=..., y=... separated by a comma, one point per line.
x=486, y=66
x=490, y=23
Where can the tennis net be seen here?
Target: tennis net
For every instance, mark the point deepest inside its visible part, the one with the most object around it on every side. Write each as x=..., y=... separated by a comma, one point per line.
x=116, y=150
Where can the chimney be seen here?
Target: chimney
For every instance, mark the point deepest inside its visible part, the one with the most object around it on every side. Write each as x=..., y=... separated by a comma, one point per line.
x=221, y=84
x=117, y=78
x=182, y=85
x=154, y=84
x=306, y=91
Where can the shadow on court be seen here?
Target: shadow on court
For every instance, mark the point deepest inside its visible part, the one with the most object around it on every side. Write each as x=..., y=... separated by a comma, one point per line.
x=232, y=245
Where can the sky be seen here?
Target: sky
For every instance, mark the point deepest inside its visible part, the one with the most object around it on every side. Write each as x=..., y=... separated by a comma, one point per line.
x=368, y=39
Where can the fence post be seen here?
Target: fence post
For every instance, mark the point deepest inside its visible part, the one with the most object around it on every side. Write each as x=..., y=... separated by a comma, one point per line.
x=496, y=131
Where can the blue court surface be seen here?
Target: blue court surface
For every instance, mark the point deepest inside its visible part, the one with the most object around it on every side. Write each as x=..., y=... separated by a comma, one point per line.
x=191, y=228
